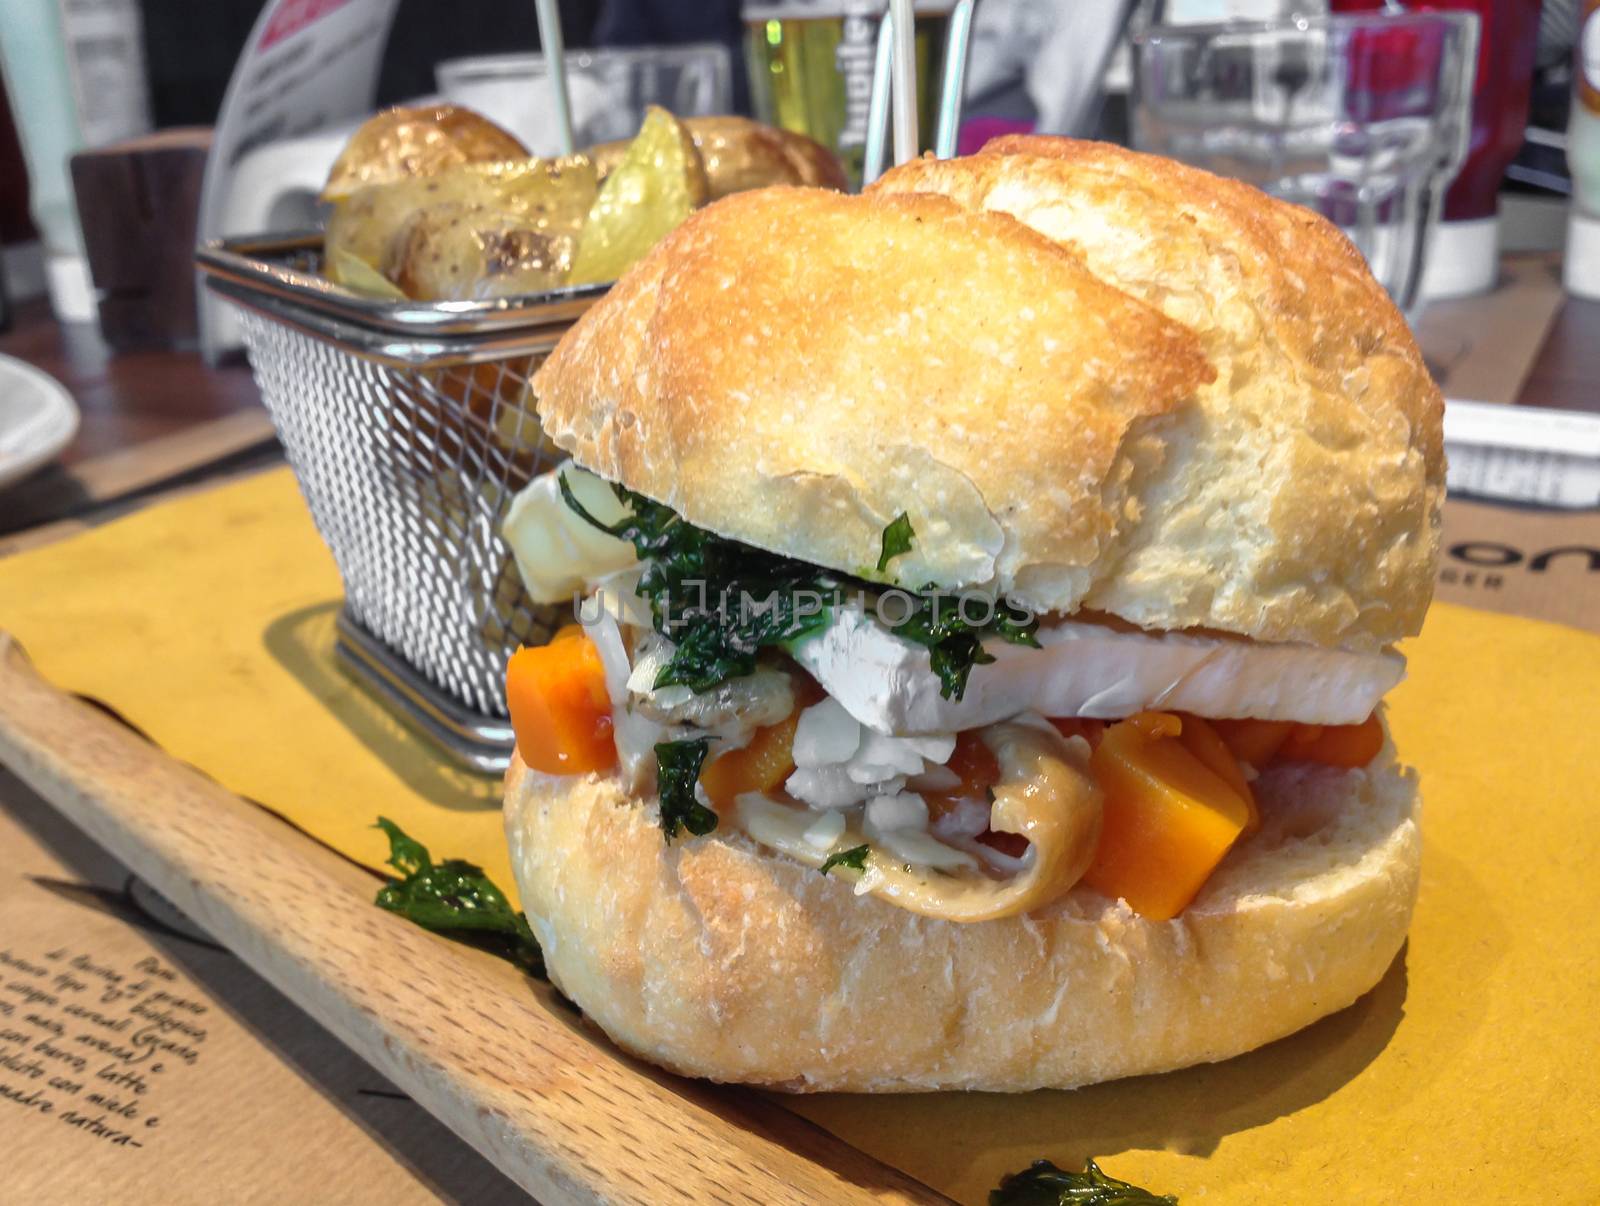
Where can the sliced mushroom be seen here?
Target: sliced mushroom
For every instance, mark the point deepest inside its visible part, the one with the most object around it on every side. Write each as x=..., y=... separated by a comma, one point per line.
x=762, y=697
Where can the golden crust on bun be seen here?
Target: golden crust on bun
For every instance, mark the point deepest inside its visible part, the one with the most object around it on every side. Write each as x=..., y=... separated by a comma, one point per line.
x=794, y=368
x=1311, y=470
x=1093, y=379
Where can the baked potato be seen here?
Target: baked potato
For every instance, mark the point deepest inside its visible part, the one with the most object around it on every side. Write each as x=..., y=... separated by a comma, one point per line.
x=460, y=251
x=471, y=231
x=740, y=154
x=402, y=143
x=658, y=183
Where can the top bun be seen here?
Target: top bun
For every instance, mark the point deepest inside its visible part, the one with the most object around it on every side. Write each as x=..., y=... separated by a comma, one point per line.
x=1092, y=379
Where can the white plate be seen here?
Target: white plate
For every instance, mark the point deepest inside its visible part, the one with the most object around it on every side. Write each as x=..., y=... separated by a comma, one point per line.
x=37, y=418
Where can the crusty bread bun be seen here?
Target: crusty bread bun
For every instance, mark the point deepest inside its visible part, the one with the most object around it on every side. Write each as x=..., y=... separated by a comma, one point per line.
x=1312, y=467
x=719, y=959
x=1093, y=379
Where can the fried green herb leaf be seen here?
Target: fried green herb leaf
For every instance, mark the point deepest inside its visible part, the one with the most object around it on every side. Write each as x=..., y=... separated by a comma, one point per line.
x=678, y=765
x=955, y=645
x=719, y=601
x=897, y=538
x=698, y=585
x=455, y=897
x=855, y=858
x=1043, y=1184
x=764, y=612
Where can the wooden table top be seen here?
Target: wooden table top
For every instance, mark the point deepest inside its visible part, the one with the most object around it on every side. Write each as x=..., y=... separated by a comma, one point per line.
x=1565, y=374
x=162, y=418
x=147, y=419
x=128, y=398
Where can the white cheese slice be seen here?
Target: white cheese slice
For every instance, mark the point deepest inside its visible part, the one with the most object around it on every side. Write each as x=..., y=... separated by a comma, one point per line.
x=559, y=552
x=1094, y=670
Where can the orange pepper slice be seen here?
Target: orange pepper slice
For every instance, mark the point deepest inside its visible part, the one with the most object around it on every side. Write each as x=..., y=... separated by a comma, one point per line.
x=1202, y=740
x=560, y=710
x=761, y=766
x=1254, y=741
x=1343, y=745
x=1168, y=818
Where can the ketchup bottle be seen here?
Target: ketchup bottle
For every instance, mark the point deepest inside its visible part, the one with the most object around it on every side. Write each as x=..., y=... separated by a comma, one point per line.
x=1464, y=251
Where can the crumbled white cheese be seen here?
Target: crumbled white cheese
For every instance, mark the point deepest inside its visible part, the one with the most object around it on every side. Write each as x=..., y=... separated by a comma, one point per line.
x=826, y=734
x=838, y=764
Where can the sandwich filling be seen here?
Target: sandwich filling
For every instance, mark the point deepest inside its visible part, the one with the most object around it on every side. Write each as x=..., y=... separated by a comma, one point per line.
x=953, y=754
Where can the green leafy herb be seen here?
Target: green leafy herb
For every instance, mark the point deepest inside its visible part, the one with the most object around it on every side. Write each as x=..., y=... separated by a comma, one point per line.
x=855, y=857
x=718, y=600
x=697, y=584
x=955, y=645
x=455, y=897
x=678, y=764
x=1043, y=1184
x=710, y=649
x=897, y=538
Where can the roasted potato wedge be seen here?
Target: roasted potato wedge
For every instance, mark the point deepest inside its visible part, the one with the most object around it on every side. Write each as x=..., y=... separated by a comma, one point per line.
x=362, y=227
x=658, y=183
x=458, y=250
x=544, y=199
x=812, y=162
x=401, y=143
x=358, y=276
x=741, y=154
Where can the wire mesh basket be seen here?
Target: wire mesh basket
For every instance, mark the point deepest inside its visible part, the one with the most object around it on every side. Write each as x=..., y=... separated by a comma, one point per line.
x=409, y=426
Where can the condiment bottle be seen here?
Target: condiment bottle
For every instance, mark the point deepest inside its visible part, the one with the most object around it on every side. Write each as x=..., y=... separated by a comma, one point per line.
x=1464, y=251
x=1581, y=270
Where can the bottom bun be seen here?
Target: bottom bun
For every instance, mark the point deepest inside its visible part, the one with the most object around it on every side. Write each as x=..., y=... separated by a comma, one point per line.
x=717, y=958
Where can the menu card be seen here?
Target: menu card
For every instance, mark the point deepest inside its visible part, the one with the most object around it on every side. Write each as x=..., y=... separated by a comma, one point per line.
x=141, y=1061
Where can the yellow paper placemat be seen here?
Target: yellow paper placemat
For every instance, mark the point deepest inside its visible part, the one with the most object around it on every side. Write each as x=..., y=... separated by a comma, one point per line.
x=1468, y=1075
x=207, y=623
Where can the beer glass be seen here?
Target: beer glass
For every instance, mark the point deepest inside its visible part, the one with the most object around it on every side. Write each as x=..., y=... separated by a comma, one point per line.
x=810, y=64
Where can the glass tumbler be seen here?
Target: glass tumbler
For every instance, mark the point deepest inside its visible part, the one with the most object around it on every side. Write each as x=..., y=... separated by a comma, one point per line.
x=810, y=64
x=609, y=89
x=1361, y=117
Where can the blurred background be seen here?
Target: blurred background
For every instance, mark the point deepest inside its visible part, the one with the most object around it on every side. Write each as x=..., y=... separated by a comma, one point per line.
x=1456, y=142
x=1057, y=66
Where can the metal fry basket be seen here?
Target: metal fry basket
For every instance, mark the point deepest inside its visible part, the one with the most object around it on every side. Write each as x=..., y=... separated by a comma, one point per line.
x=409, y=426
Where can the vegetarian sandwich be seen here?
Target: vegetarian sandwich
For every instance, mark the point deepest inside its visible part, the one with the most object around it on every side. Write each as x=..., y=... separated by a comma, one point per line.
x=985, y=591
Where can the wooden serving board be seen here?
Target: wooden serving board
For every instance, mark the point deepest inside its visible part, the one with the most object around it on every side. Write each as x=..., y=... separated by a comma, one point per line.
x=492, y=1054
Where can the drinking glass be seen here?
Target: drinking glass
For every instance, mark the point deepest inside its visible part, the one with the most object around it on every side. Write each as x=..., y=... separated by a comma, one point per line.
x=810, y=64
x=609, y=89
x=1361, y=117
